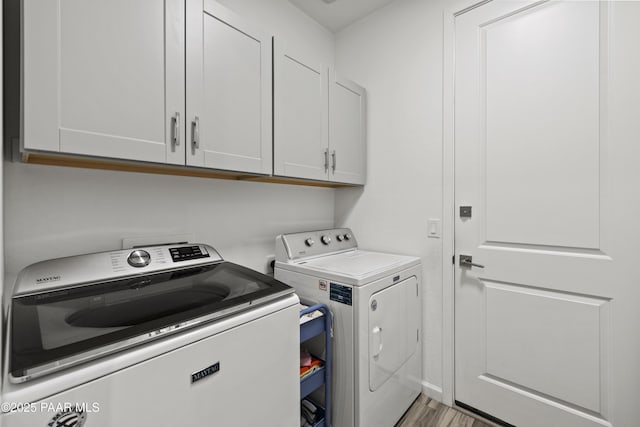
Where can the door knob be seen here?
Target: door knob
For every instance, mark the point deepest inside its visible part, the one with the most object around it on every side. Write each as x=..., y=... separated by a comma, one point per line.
x=467, y=261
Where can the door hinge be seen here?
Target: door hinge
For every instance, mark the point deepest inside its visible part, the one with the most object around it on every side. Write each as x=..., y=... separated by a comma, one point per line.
x=453, y=259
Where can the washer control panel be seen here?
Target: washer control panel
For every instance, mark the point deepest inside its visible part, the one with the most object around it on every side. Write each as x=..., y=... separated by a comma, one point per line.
x=139, y=258
x=301, y=245
x=59, y=273
x=186, y=253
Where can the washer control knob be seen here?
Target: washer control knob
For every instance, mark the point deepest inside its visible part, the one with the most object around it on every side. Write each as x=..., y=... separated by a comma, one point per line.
x=347, y=236
x=309, y=242
x=340, y=237
x=325, y=239
x=139, y=258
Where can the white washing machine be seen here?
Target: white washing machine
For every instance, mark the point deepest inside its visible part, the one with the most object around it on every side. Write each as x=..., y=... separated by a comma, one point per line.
x=157, y=336
x=376, y=304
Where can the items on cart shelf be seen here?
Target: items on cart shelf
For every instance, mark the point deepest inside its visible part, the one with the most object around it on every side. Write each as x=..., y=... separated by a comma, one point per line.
x=305, y=358
x=309, y=316
x=308, y=413
x=314, y=365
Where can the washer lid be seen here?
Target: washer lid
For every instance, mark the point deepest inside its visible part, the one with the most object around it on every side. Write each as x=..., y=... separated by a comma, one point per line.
x=60, y=328
x=359, y=265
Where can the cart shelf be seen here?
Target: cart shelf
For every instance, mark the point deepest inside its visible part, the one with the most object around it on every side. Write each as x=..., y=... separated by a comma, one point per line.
x=309, y=328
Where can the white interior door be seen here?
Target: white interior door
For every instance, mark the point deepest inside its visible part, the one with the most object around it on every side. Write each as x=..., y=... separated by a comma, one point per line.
x=543, y=142
x=228, y=90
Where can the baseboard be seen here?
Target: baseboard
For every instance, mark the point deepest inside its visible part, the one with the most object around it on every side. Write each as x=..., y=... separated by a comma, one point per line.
x=432, y=391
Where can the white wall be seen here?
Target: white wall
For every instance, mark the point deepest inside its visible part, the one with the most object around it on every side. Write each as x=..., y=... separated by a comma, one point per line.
x=396, y=53
x=283, y=19
x=55, y=211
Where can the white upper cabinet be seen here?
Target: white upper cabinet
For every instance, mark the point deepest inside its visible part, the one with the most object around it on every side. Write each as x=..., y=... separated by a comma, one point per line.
x=347, y=131
x=319, y=122
x=301, y=116
x=104, y=78
x=184, y=82
x=228, y=91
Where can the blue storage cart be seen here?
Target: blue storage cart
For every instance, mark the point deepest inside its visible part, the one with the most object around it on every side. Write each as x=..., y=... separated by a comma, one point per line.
x=308, y=330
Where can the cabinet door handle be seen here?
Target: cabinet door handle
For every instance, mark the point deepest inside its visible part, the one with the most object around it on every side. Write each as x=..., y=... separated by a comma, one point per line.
x=195, y=133
x=326, y=160
x=333, y=158
x=175, y=130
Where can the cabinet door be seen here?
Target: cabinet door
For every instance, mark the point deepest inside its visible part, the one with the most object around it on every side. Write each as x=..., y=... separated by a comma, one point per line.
x=301, y=115
x=228, y=91
x=347, y=131
x=104, y=78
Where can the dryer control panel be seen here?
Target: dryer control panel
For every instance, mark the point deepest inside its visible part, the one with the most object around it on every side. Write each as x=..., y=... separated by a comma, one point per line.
x=294, y=246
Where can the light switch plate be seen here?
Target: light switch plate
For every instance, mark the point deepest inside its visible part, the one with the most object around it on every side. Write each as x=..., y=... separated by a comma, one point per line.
x=433, y=228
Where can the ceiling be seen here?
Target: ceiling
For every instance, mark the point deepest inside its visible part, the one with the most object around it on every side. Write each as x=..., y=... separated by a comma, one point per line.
x=339, y=13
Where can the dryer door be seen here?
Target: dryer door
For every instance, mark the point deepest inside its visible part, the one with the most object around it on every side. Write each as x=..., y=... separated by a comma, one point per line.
x=394, y=316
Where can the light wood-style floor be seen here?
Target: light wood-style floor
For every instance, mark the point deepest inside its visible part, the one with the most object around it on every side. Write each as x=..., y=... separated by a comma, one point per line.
x=426, y=412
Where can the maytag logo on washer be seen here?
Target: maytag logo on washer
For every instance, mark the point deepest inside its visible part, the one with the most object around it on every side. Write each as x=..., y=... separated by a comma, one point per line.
x=48, y=279
x=204, y=373
x=68, y=418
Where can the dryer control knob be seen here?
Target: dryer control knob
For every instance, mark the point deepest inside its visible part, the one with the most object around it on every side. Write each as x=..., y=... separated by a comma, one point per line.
x=340, y=237
x=139, y=258
x=347, y=236
x=325, y=239
x=309, y=242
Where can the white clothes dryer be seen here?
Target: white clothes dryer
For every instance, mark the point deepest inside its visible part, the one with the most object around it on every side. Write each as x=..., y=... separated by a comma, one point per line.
x=375, y=299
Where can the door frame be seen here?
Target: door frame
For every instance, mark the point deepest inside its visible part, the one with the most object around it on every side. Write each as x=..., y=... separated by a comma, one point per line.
x=448, y=195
